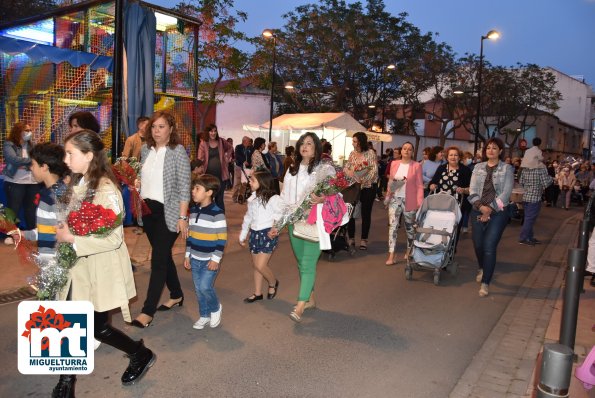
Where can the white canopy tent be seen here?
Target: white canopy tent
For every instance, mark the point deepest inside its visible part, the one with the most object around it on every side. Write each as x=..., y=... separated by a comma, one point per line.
x=334, y=127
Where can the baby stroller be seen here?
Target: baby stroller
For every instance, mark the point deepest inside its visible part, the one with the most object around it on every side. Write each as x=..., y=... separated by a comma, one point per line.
x=339, y=236
x=244, y=192
x=435, y=236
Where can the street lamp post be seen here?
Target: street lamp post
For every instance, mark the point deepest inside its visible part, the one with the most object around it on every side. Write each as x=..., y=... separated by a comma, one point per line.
x=383, y=120
x=492, y=35
x=269, y=33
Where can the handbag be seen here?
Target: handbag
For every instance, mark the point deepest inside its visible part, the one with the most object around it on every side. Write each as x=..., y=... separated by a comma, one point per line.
x=305, y=231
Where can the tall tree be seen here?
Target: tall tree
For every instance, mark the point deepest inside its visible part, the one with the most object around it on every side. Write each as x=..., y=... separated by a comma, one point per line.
x=219, y=58
x=13, y=10
x=509, y=95
x=337, y=54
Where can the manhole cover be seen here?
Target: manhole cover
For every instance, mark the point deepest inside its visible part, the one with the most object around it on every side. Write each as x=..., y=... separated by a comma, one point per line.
x=19, y=294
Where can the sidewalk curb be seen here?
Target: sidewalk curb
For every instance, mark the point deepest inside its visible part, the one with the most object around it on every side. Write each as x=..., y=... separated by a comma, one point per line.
x=504, y=365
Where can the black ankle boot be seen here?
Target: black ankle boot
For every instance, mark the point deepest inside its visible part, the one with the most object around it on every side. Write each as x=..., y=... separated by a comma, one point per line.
x=140, y=362
x=65, y=387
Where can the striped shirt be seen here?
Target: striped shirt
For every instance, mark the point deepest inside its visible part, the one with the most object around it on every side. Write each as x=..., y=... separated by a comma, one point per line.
x=207, y=233
x=47, y=209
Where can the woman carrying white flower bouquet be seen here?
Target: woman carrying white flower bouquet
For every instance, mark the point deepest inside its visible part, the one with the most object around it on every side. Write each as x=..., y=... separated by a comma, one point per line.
x=298, y=187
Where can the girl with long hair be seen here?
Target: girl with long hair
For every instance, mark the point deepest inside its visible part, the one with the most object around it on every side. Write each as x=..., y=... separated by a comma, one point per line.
x=102, y=273
x=263, y=210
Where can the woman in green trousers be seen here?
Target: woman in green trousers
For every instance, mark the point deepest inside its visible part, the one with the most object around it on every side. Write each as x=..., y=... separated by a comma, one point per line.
x=297, y=182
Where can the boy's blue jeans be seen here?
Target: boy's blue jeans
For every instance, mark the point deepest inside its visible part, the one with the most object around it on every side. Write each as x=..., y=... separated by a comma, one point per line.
x=204, y=281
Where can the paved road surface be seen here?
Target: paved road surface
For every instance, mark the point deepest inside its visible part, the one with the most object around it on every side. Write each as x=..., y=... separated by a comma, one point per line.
x=374, y=333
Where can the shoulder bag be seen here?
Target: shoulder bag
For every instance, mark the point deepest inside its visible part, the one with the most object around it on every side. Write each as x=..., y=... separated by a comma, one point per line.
x=301, y=228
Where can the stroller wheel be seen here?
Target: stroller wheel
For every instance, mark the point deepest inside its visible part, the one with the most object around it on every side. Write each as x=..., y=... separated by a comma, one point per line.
x=436, y=278
x=408, y=273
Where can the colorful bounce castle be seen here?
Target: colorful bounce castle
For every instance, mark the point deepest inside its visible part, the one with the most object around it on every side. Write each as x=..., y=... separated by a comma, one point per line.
x=61, y=62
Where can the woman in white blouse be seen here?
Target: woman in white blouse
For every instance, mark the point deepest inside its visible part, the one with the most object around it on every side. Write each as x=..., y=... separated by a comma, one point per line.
x=299, y=178
x=165, y=188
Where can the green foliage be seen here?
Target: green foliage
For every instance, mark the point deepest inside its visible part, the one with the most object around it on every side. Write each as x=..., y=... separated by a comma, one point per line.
x=516, y=94
x=13, y=10
x=337, y=53
x=219, y=58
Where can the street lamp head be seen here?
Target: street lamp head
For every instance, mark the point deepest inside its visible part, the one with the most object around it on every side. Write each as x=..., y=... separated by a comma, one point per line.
x=391, y=66
x=493, y=35
x=268, y=33
x=371, y=106
x=458, y=90
x=289, y=85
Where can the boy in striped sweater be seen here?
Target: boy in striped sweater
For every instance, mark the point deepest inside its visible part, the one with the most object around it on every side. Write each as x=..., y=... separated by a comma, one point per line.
x=207, y=236
x=47, y=167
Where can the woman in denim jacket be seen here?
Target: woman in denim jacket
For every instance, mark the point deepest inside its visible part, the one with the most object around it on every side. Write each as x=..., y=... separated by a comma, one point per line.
x=490, y=189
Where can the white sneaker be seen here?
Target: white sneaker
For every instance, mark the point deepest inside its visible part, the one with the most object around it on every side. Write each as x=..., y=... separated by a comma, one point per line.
x=479, y=275
x=201, y=323
x=216, y=317
x=483, y=290
x=97, y=343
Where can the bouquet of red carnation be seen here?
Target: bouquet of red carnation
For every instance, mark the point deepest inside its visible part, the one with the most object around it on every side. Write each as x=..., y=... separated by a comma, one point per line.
x=362, y=169
x=89, y=219
x=92, y=219
x=126, y=171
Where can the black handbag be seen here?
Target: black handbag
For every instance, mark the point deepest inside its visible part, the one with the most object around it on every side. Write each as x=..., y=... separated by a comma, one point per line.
x=351, y=193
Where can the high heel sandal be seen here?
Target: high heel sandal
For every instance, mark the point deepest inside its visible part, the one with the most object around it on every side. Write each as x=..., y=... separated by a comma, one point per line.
x=295, y=316
x=363, y=244
x=271, y=296
x=140, y=325
x=164, y=307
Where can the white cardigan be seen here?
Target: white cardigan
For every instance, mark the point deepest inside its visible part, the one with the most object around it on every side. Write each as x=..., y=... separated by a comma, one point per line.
x=258, y=216
x=295, y=188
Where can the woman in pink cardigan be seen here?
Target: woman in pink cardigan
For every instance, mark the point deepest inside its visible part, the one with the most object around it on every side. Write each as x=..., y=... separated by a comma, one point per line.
x=215, y=154
x=404, y=196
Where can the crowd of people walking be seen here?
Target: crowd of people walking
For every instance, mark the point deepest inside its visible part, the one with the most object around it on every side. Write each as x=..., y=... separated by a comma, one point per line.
x=189, y=201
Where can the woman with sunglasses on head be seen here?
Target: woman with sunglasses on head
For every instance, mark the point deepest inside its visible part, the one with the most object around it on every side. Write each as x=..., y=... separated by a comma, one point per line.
x=489, y=195
x=404, y=196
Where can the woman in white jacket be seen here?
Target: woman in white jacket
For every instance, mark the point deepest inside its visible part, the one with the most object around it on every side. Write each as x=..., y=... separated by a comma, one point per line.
x=264, y=207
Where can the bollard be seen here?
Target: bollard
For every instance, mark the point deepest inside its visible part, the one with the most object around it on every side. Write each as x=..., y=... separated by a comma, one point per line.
x=556, y=370
x=583, y=243
x=571, y=298
x=583, y=236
